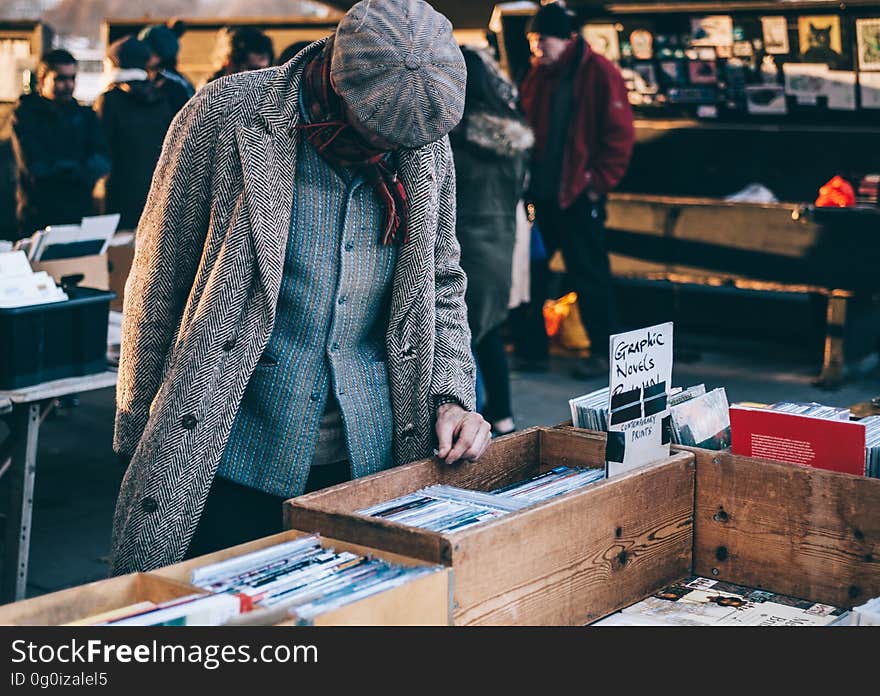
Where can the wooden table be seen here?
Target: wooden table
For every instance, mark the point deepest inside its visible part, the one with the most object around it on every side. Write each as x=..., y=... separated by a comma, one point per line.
x=25, y=410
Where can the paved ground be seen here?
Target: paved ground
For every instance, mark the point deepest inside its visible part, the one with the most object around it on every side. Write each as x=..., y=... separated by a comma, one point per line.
x=78, y=476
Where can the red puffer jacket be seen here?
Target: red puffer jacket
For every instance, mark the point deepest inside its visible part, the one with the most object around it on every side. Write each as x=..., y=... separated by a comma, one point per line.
x=601, y=131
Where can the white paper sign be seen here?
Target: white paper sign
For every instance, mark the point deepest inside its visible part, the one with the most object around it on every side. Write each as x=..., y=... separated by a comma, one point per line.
x=640, y=377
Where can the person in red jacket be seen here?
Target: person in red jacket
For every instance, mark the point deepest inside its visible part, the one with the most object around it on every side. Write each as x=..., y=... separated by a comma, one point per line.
x=576, y=102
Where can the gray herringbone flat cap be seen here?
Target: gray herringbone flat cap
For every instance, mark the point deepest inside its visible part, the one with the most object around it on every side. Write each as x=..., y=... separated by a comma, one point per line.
x=398, y=67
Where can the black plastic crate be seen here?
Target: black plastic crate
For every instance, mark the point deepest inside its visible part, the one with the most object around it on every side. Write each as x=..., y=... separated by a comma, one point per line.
x=52, y=341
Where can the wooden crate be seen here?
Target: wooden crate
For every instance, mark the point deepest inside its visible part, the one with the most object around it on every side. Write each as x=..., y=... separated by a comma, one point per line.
x=424, y=601
x=790, y=529
x=805, y=532
x=80, y=602
x=566, y=561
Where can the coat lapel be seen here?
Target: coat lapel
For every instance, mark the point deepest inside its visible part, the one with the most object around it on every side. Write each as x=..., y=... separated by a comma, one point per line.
x=410, y=275
x=267, y=148
x=267, y=163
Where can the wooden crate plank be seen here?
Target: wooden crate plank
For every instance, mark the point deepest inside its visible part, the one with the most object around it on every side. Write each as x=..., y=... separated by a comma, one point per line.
x=420, y=602
x=93, y=598
x=572, y=447
x=582, y=556
x=800, y=531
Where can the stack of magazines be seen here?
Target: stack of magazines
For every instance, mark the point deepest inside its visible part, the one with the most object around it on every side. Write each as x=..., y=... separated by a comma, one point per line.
x=450, y=509
x=590, y=411
x=699, y=418
x=812, y=409
x=699, y=601
x=556, y=482
x=303, y=577
x=443, y=508
x=872, y=445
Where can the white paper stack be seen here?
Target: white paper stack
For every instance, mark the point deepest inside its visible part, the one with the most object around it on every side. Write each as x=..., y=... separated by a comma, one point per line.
x=21, y=287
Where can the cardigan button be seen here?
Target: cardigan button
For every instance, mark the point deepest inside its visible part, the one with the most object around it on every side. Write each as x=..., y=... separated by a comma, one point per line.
x=189, y=421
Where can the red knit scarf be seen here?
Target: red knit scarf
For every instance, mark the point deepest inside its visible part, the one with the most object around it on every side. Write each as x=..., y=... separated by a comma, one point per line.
x=337, y=142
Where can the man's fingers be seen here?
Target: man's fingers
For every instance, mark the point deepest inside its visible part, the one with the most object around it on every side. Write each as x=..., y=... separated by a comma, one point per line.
x=445, y=431
x=480, y=443
x=464, y=438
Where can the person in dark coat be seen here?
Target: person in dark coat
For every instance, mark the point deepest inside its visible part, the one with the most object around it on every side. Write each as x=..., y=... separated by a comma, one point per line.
x=60, y=151
x=243, y=49
x=164, y=42
x=490, y=146
x=135, y=117
x=576, y=103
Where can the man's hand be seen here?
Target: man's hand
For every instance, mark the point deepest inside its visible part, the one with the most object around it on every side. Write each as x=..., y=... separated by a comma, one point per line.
x=461, y=434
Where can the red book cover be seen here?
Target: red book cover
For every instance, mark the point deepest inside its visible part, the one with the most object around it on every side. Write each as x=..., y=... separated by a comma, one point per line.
x=822, y=443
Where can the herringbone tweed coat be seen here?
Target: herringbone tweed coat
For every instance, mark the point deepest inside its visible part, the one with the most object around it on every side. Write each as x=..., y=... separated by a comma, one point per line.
x=200, y=302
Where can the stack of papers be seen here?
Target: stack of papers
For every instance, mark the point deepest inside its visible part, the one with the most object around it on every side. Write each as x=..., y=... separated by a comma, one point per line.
x=303, y=577
x=21, y=287
x=451, y=509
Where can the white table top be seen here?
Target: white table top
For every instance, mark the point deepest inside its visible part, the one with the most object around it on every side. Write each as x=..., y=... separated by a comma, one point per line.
x=59, y=387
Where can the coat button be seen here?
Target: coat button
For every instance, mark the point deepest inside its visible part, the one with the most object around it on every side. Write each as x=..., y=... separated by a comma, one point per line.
x=189, y=421
x=228, y=344
x=408, y=430
x=149, y=505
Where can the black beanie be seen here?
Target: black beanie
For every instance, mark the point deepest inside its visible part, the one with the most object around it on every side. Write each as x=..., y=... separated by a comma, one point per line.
x=551, y=20
x=128, y=52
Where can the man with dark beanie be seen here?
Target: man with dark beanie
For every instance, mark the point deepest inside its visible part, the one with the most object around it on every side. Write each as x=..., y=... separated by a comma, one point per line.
x=295, y=313
x=135, y=116
x=164, y=41
x=576, y=102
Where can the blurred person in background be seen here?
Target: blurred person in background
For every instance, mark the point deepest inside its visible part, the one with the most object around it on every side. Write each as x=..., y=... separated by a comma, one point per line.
x=576, y=102
x=291, y=51
x=490, y=146
x=242, y=49
x=135, y=116
x=164, y=41
x=60, y=150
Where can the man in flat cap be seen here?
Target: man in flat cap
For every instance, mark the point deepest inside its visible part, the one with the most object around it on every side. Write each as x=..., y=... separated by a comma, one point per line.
x=295, y=313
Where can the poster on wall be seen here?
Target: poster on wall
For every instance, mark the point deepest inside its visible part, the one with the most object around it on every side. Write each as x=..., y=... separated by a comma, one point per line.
x=869, y=82
x=765, y=100
x=819, y=37
x=703, y=72
x=642, y=43
x=775, y=31
x=603, y=40
x=868, y=39
x=714, y=30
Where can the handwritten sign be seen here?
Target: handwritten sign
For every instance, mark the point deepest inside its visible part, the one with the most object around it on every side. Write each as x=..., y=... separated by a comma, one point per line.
x=640, y=377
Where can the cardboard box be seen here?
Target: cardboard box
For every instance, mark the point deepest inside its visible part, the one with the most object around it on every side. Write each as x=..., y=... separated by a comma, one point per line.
x=424, y=601
x=566, y=561
x=93, y=269
x=120, y=256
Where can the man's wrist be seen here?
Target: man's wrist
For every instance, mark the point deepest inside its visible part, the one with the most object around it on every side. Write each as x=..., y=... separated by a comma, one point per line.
x=443, y=399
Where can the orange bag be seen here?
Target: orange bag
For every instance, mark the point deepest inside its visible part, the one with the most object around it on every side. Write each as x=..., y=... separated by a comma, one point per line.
x=837, y=193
